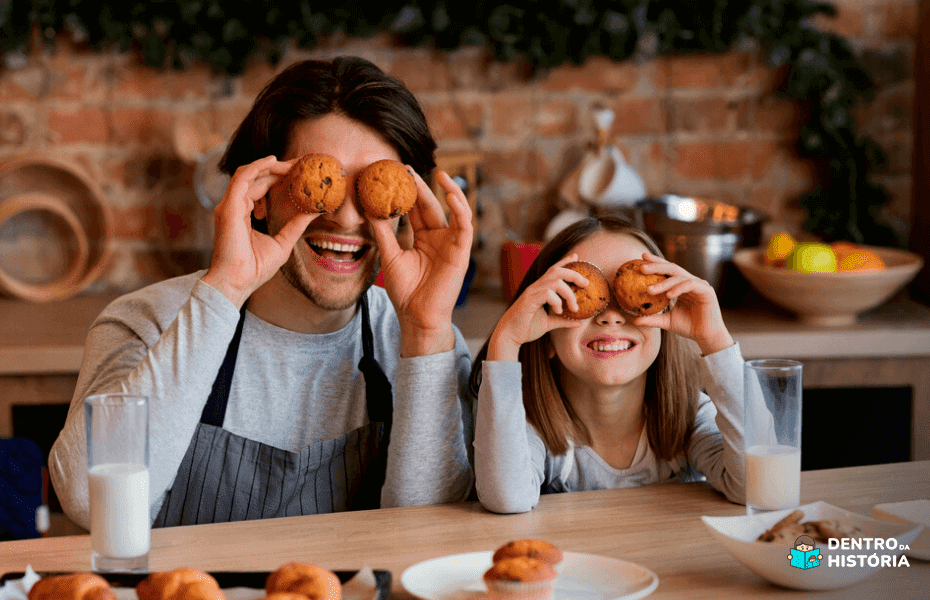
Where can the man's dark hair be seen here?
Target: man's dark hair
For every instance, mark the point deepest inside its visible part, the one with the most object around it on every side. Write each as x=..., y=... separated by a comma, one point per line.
x=347, y=85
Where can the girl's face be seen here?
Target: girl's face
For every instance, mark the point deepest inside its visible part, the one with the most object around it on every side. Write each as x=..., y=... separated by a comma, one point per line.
x=607, y=350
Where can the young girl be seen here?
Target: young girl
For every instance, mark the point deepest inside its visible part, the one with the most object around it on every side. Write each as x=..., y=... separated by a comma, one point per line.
x=611, y=401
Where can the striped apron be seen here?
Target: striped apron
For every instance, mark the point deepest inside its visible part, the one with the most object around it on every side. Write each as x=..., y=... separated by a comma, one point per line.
x=225, y=477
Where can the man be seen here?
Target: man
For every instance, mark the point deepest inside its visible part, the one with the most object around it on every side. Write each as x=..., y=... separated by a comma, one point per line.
x=280, y=380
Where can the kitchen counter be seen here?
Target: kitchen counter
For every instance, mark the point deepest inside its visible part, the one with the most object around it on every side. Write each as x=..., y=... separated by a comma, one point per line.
x=41, y=347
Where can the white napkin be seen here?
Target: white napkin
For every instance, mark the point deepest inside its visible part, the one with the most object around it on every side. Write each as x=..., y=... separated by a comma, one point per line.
x=18, y=589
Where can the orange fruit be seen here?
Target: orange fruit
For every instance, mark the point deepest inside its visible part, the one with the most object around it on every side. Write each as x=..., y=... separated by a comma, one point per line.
x=841, y=249
x=779, y=247
x=860, y=260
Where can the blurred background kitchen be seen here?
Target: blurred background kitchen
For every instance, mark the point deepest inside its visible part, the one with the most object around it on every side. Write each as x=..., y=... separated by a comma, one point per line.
x=767, y=117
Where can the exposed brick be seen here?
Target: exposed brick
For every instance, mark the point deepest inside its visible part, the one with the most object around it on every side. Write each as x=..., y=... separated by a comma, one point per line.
x=714, y=160
x=511, y=114
x=256, y=76
x=849, y=21
x=891, y=111
x=556, y=117
x=702, y=115
x=691, y=71
x=597, y=74
x=638, y=116
x=900, y=20
x=141, y=125
x=520, y=164
x=137, y=222
x=422, y=73
x=453, y=121
x=899, y=149
x=777, y=114
x=138, y=81
x=79, y=126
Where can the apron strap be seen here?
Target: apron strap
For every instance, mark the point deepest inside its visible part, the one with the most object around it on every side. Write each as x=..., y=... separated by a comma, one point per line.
x=380, y=400
x=215, y=411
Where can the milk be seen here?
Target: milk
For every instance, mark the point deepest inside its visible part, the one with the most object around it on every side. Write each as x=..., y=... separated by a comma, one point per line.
x=773, y=477
x=119, y=510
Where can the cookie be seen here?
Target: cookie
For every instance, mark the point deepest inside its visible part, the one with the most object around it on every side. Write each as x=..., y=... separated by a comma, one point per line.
x=630, y=289
x=592, y=300
x=538, y=549
x=315, y=184
x=386, y=189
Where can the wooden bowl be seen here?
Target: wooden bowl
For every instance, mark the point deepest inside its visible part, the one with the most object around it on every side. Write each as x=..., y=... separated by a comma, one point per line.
x=58, y=178
x=829, y=299
x=68, y=263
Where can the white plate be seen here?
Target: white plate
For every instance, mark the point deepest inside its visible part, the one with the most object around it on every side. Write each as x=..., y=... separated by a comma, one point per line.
x=770, y=559
x=911, y=511
x=581, y=577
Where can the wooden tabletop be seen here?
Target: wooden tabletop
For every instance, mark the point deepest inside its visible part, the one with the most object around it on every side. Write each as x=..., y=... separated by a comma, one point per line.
x=658, y=527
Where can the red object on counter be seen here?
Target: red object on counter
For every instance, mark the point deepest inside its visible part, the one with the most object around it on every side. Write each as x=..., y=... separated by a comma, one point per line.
x=516, y=258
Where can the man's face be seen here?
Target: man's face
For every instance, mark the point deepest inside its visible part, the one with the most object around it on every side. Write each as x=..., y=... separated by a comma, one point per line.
x=336, y=259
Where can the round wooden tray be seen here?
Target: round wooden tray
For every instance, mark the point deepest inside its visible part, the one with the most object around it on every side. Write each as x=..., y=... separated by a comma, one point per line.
x=49, y=180
x=77, y=247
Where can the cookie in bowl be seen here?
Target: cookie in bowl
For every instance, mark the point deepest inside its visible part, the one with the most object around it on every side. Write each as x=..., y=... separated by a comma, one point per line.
x=386, y=189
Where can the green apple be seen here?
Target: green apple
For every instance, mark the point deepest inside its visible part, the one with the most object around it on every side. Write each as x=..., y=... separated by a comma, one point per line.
x=811, y=257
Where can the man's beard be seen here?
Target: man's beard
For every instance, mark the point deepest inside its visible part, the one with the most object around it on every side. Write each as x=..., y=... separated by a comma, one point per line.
x=293, y=275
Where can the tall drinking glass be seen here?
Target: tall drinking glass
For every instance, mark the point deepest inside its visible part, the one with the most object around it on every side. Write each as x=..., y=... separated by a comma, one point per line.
x=772, y=431
x=118, y=481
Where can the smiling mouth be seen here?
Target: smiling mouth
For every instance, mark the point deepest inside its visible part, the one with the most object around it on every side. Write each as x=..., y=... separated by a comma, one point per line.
x=342, y=253
x=600, y=346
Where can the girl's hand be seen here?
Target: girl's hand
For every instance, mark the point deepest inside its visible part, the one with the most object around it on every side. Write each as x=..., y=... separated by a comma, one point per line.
x=696, y=314
x=424, y=282
x=243, y=259
x=527, y=318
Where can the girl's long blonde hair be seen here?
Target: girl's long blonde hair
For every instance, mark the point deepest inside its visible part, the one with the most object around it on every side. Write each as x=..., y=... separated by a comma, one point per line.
x=671, y=395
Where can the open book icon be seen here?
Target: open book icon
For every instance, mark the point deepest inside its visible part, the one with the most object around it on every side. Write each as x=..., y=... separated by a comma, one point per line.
x=805, y=560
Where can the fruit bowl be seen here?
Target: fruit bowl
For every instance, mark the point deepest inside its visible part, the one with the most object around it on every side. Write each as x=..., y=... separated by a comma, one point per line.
x=828, y=299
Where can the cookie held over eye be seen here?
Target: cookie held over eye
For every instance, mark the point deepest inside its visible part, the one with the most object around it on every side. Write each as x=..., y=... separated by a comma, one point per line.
x=592, y=300
x=630, y=289
x=386, y=189
x=315, y=184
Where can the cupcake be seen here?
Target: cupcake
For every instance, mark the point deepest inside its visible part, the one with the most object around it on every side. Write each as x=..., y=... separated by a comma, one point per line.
x=386, y=189
x=593, y=299
x=630, y=289
x=520, y=578
x=538, y=549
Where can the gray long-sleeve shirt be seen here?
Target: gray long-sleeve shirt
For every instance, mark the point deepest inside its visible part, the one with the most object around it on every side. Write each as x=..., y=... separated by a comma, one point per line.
x=512, y=462
x=289, y=390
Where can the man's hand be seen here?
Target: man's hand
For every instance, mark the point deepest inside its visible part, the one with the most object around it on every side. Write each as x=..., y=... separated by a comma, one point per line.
x=244, y=259
x=424, y=281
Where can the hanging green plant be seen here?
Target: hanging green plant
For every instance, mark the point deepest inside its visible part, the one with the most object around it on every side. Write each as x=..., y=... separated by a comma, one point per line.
x=823, y=73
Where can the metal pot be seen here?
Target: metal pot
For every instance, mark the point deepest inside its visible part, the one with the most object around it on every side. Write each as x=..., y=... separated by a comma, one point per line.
x=701, y=236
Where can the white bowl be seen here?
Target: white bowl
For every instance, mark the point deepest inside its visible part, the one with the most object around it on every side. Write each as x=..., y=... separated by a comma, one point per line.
x=770, y=559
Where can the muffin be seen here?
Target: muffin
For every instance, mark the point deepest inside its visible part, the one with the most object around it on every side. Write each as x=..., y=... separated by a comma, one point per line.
x=179, y=584
x=592, y=300
x=538, y=549
x=315, y=184
x=386, y=189
x=520, y=578
x=630, y=289
x=310, y=581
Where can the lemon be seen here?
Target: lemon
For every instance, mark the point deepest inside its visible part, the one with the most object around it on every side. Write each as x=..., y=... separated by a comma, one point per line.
x=780, y=246
x=811, y=257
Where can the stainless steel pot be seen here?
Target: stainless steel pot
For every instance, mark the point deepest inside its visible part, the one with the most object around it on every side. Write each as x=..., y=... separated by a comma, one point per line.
x=701, y=236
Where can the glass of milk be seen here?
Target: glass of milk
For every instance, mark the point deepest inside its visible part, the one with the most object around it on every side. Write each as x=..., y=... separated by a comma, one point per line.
x=772, y=432
x=118, y=481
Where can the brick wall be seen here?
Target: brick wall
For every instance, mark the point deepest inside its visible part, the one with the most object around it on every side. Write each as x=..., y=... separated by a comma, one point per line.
x=699, y=124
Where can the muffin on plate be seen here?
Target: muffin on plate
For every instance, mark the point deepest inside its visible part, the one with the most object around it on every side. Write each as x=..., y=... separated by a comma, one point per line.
x=520, y=578
x=386, y=189
x=539, y=549
x=592, y=300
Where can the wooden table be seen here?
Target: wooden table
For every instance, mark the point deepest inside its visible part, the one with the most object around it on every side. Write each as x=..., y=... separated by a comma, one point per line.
x=658, y=527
